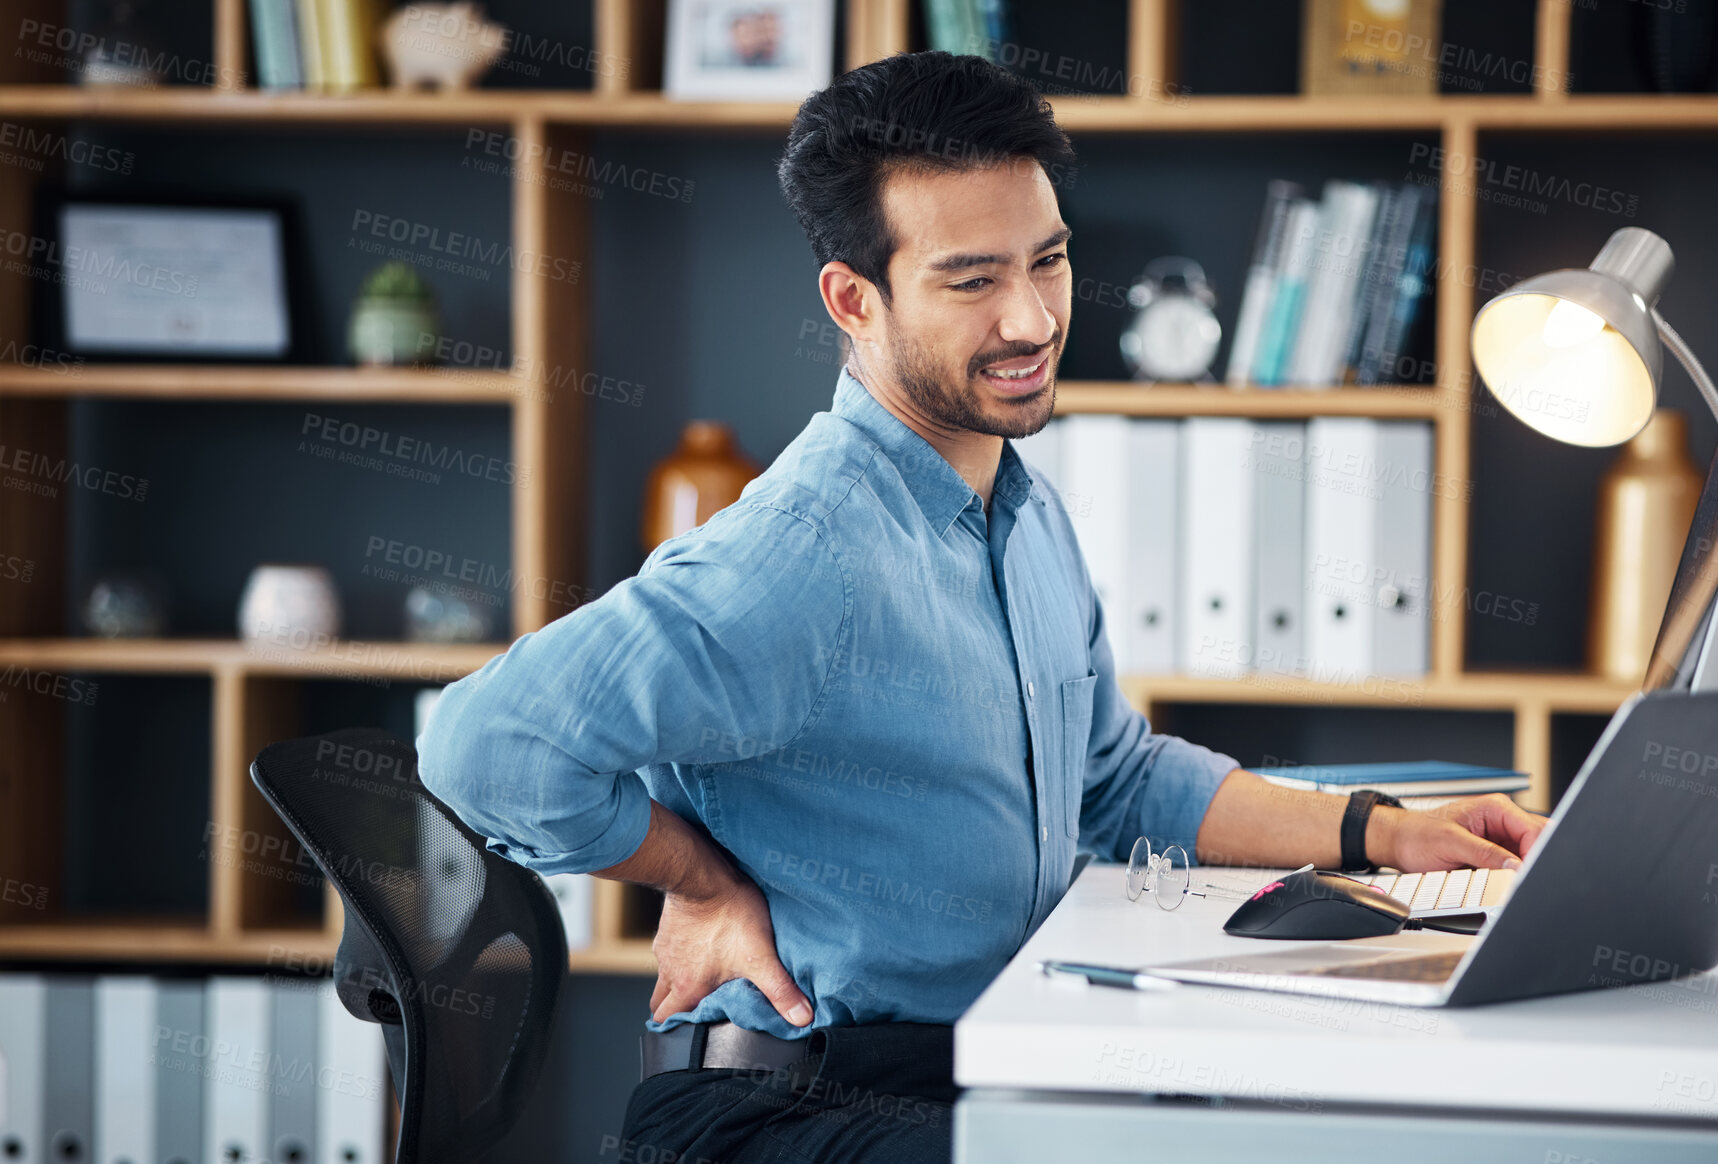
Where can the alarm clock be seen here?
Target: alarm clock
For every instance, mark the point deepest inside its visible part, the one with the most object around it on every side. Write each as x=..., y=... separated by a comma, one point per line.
x=1174, y=333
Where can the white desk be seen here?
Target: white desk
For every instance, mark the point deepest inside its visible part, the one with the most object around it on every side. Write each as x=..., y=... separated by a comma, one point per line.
x=1065, y=1071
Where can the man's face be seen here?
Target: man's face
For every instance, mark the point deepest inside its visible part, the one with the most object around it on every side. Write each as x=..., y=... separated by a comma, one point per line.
x=981, y=294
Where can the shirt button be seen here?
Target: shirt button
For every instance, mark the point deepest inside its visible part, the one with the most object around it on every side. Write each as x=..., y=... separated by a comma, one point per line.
x=1046, y=831
x=1029, y=691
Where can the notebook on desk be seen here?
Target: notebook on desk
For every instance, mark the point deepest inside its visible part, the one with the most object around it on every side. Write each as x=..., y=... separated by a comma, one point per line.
x=1412, y=778
x=1621, y=888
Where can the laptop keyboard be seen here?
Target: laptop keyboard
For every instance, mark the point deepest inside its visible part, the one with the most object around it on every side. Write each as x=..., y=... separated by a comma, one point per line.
x=1420, y=968
x=1452, y=891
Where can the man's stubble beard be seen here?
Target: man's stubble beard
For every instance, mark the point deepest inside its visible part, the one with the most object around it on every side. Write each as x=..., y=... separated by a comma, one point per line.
x=923, y=384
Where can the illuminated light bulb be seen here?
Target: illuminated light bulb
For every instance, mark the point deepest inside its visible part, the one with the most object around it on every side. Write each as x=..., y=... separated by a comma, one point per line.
x=1570, y=324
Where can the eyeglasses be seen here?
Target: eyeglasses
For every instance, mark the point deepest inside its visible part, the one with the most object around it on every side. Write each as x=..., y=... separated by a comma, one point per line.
x=1167, y=878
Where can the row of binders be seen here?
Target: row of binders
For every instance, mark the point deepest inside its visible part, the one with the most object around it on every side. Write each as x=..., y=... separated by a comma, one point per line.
x=316, y=44
x=131, y=1069
x=1222, y=547
x=1335, y=286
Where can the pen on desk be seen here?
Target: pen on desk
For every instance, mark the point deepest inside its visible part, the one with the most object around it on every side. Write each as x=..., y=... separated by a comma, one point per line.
x=1108, y=976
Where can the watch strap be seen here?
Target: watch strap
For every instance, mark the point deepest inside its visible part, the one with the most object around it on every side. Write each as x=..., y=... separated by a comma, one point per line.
x=1354, y=821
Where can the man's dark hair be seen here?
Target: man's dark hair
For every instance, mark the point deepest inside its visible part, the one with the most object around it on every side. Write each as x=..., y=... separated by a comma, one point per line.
x=932, y=111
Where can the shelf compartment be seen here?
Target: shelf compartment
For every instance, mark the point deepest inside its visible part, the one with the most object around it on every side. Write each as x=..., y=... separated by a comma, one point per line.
x=94, y=766
x=1572, y=737
x=1192, y=196
x=179, y=36
x=1290, y=736
x=1554, y=202
x=266, y=879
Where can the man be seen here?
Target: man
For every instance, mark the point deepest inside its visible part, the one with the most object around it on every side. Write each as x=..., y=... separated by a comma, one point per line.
x=855, y=724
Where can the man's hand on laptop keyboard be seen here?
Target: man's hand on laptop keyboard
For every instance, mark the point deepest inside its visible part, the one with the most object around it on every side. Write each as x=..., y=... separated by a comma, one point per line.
x=1480, y=832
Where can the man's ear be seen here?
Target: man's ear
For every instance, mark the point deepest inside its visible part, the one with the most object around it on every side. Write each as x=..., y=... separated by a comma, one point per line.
x=852, y=301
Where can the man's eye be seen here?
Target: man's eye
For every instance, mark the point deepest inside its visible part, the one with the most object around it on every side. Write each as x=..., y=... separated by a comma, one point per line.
x=1052, y=260
x=977, y=284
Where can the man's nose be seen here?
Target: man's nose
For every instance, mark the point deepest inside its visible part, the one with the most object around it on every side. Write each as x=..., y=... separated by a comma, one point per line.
x=1025, y=319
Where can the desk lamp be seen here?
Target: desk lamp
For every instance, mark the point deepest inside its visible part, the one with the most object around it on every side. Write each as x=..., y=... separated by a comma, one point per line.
x=1575, y=355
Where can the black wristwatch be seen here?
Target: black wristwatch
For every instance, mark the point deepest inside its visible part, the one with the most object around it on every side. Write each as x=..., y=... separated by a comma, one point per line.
x=1360, y=805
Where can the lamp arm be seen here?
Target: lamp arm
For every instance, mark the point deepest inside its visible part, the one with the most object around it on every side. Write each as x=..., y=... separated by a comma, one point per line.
x=1701, y=657
x=1685, y=356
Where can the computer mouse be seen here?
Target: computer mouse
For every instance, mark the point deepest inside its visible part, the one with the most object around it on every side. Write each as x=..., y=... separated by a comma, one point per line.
x=1317, y=906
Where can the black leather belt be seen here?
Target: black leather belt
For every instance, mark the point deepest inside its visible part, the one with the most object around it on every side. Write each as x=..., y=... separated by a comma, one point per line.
x=692, y=1046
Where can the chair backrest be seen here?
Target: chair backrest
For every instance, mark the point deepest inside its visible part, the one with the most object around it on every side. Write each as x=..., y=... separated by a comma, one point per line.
x=458, y=953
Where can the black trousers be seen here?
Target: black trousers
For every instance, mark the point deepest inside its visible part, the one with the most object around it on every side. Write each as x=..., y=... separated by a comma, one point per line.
x=881, y=1094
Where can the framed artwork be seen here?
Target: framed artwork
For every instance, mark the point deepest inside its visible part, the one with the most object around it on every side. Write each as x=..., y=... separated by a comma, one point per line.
x=145, y=278
x=749, y=50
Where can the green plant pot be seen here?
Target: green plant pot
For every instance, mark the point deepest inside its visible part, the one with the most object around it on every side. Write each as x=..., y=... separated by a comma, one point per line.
x=388, y=332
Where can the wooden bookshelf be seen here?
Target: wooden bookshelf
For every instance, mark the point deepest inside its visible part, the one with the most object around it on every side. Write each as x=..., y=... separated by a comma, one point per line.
x=253, y=693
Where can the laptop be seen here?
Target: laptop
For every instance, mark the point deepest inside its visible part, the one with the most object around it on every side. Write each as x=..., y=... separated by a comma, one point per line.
x=1621, y=888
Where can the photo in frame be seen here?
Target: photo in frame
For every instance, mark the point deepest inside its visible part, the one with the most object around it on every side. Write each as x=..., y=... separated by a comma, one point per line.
x=749, y=50
x=170, y=278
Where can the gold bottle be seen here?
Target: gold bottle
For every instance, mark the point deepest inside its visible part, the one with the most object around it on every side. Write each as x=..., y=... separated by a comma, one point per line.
x=1646, y=504
x=706, y=473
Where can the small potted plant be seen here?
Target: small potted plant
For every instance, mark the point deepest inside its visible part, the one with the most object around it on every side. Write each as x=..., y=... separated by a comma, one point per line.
x=394, y=313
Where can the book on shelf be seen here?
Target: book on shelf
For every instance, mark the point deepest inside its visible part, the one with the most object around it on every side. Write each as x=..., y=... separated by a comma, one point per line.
x=274, y=35
x=1339, y=254
x=1376, y=280
x=319, y=45
x=1228, y=547
x=347, y=29
x=1334, y=286
x=311, y=41
x=1406, y=779
x=966, y=27
x=1283, y=312
x=1411, y=271
x=1280, y=200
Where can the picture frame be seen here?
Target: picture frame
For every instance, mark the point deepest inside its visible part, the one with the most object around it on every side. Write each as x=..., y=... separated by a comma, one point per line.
x=749, y=50
x=169, y=277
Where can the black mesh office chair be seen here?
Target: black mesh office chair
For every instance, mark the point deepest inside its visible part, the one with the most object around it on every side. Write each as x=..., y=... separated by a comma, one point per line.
x=458, y=953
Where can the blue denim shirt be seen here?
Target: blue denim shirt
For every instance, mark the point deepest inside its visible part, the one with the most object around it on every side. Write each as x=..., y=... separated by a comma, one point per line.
x=898, y=715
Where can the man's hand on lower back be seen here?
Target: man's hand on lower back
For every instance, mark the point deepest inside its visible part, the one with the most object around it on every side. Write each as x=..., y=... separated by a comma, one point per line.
x=702, y=942
x=715, y=923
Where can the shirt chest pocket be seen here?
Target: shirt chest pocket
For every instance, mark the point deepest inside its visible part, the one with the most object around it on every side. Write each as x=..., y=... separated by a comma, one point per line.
x=1076, y=726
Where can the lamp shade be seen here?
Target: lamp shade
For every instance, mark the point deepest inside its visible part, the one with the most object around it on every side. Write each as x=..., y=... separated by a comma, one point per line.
x=1575, y=354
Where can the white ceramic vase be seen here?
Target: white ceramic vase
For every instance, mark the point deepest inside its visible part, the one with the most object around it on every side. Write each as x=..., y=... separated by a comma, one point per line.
x=286, y=604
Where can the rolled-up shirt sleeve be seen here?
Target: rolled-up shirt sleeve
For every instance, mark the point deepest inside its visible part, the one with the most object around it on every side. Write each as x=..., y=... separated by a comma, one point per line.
x=1140, y=783
x=720, y=647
